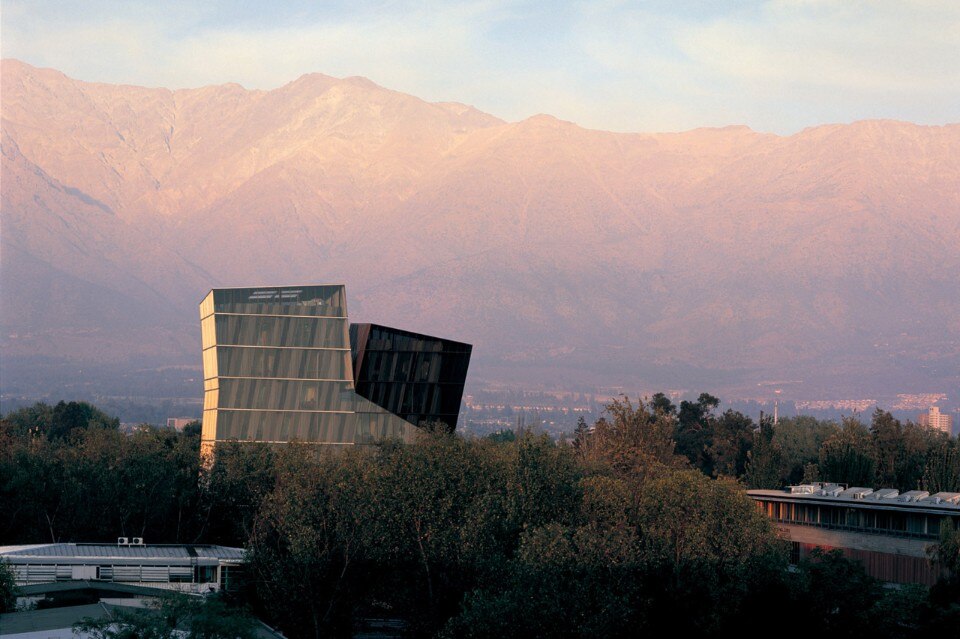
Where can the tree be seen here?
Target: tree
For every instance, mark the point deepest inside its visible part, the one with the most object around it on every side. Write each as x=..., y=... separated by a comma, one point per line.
x=886, y=433
x=242, y=475
x=689, y=519
x=732, y=440
x=706, y=545
x=695, y=431
x=192, y=429
x=799, y=440
x=765, y=460
x=30, y=420
x=581, y=436
x=660, y=403
x=942, y=471
x=503, y=436
x=846, y=456
x=918, y=443
x=58, y=421
x=946, y=554
x=305, y=542
x=632, y=440
x=836, y=594
x=172, y=617
x=8, y=588
x=70, y=416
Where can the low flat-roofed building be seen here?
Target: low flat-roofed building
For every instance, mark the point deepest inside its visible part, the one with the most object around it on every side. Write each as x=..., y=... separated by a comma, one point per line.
x=888, y=532
x=190, y=568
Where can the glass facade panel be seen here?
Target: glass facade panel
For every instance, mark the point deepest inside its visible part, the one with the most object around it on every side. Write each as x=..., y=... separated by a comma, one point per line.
x=283, y=363
x=292, y=300
x=288, y=332
x=276, y=394
x=285, y=426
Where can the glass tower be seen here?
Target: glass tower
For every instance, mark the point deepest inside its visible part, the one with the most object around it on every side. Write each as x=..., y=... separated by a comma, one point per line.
x=277, y=368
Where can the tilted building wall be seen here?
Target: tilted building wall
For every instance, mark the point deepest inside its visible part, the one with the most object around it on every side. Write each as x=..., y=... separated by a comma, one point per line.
x=417, y=377
x=277, y=368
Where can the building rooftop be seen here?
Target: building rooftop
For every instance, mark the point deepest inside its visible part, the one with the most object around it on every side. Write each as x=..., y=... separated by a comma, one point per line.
x=37, y=621
x=914, y=500
x=131, y=551
x=102, y=588
x=46, y=622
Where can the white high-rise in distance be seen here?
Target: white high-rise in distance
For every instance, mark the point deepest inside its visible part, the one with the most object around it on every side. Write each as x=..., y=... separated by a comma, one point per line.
x=935, y=420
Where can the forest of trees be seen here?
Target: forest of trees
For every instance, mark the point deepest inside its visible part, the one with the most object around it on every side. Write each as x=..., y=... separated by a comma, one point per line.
x=638, y=523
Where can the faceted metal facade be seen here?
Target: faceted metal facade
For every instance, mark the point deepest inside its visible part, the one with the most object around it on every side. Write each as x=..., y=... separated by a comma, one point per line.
x=277, y=368
x=417, y=377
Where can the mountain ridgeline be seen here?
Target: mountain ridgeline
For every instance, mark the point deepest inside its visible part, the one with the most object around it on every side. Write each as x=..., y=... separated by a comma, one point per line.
x=721, y=256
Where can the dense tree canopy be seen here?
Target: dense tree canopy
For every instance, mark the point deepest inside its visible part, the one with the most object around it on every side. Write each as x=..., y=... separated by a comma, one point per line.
x=639, y=524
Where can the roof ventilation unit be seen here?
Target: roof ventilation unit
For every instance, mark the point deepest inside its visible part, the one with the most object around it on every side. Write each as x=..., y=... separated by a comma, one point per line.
x=123, y=541
x=830, y=490
x=856, y=492
x=884, y=493
x=913, y=495
x=137, y=541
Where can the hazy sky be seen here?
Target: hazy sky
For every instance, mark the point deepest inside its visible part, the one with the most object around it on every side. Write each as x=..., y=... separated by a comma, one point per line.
x=775, y=65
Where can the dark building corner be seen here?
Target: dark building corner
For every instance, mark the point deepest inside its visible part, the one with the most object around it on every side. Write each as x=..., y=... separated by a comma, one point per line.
x=419, y=378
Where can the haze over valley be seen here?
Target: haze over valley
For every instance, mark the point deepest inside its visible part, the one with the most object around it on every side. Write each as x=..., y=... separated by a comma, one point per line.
x=714, y=259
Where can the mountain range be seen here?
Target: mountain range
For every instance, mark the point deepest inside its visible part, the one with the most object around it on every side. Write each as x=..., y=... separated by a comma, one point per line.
x=712, y=258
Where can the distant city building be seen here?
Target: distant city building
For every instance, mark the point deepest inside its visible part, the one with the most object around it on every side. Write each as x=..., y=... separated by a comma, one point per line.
x=914, y=401
x=935, y=420
x=278, y=368
x=179, y=423
x=888, y=532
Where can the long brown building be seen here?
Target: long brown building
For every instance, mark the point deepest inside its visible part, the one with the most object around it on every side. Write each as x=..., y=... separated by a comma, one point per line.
x=888, y=532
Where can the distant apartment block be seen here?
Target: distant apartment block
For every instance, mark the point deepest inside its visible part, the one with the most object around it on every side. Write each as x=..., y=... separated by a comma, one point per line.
x=179, y=423
x=279, y=366
x=935, y=420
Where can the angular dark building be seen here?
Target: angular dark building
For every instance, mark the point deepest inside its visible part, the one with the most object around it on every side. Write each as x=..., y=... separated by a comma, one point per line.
x=278, y=368
x=417, y=377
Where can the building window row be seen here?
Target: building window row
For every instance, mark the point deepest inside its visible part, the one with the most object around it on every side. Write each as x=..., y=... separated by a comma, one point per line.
x=840, y=517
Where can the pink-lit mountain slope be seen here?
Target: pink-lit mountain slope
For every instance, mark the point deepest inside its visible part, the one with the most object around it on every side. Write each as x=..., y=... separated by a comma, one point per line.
x=713, y=256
